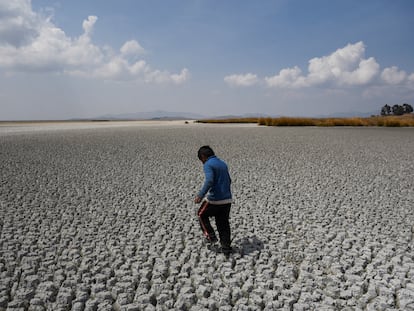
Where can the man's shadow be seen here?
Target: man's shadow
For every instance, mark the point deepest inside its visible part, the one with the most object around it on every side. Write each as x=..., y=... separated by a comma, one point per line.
x=248, y=245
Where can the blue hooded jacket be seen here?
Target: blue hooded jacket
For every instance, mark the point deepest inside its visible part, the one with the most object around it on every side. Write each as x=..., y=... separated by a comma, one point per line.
x=217, y=180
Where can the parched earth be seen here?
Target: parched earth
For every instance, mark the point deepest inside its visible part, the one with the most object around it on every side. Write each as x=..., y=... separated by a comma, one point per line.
x=104, y=219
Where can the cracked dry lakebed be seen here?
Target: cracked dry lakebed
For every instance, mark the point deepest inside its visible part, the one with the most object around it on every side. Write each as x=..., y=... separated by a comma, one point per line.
x=102, y=218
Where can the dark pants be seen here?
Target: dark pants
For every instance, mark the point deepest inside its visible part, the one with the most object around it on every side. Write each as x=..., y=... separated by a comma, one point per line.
x=221, y=213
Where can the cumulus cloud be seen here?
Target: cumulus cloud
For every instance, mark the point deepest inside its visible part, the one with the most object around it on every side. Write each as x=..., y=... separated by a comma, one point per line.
x=30, y=42
x=241, y=80
x=411, y=78
x=181, y=77
x=365, y=73
x=346, y=67
x=18, y=24
x=286, y=78
x=132, y=47
x=88, y=24
x=393, y=75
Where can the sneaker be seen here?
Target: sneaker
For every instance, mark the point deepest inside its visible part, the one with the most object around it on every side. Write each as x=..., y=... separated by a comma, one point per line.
x=212, y=240
x=227, y=250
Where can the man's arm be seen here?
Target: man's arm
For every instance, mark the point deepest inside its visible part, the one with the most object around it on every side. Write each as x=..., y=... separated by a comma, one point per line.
x=208, y=182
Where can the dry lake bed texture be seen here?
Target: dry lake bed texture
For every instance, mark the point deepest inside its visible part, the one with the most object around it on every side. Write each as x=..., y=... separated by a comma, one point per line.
x=102, y=218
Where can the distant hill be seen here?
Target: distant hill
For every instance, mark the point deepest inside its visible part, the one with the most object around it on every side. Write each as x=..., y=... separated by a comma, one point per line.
x=246, y=115
x=151, y=115
x=170, y=115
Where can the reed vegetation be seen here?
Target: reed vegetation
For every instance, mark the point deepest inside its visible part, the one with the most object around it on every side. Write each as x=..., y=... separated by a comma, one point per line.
x=230, y=120
x=406, y=120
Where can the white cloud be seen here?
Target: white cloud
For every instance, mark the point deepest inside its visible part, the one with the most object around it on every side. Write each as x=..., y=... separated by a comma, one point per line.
x=30, y=42
x=346, y=67
x=365, y=73
x=114, y=69
x=138, y=67
x=410, y=81
x=18, y=24
x=88, y=24
x=158, y=76
x=132, y=47
x=286, y=78
x=248, y=79
x=393, y=75
x=411, y=78
x=181, y=77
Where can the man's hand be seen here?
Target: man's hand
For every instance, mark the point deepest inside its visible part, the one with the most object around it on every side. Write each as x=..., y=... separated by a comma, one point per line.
x=197, y=199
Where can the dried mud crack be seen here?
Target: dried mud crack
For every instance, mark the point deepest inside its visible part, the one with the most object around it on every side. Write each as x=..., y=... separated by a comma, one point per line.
x=103, y=219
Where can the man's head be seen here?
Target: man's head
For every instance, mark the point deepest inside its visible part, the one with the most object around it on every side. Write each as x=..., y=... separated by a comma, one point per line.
x=204, y=153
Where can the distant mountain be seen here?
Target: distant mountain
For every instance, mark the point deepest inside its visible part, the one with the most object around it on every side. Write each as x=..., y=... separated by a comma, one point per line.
x=245, y=115
x=170, y=115
x=151, y=115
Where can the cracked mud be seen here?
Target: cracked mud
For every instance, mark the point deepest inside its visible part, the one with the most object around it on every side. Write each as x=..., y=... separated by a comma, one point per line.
x=103, y=219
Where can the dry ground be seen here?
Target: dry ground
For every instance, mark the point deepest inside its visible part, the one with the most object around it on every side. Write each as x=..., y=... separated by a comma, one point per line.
x=102, y=218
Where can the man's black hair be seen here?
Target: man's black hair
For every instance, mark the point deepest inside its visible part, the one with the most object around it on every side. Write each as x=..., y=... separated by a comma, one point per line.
x=205, y=151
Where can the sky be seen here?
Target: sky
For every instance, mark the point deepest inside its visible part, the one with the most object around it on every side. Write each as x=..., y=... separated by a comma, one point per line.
x=62, y=59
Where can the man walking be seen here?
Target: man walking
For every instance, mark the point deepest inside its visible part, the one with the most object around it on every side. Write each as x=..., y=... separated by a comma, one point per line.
x=216, y=198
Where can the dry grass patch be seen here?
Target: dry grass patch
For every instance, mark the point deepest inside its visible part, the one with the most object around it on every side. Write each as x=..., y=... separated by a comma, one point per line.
x=387, y=121
x=229, y=120
x=285, y=121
